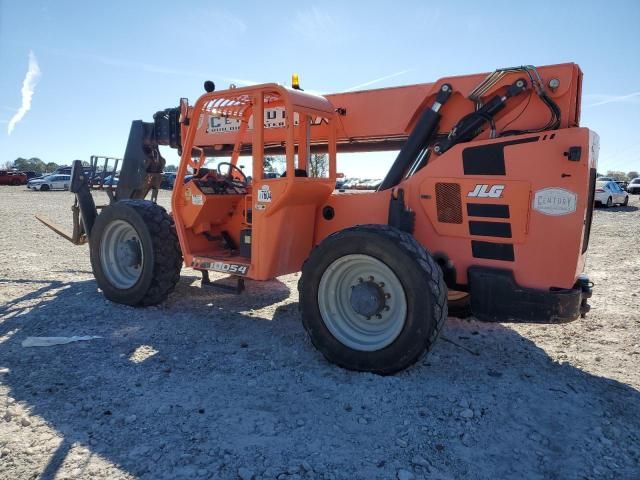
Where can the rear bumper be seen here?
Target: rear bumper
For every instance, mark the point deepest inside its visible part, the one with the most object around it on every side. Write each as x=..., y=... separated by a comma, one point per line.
x=496, y=297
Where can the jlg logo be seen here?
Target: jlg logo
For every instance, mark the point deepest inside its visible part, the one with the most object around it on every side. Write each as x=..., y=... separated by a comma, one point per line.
x=483, y=191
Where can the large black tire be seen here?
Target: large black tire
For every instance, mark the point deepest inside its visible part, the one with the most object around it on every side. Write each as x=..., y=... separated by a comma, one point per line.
x=626, y=201
x=162, y=258
x=44, y=188
x=421, y=281
x=609, y=203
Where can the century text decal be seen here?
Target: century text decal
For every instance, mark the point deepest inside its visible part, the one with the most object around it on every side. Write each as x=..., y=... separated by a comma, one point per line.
x=555, y=201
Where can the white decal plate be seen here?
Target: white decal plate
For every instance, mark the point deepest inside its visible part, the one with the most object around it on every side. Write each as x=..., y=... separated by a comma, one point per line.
x=264, y=194
x=555, y=201
x=197, y=200
x=273, y=118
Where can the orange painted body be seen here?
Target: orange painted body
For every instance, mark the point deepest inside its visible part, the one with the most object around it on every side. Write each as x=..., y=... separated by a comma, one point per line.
x=286, y=217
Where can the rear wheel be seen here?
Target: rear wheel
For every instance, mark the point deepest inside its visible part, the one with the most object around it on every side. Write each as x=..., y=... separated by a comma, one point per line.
x=609, y=202
x=135, y=254
x=626, y=201
x=372, y=299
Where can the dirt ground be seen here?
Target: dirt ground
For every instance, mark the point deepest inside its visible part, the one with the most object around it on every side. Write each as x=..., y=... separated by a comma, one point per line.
x=214, y=385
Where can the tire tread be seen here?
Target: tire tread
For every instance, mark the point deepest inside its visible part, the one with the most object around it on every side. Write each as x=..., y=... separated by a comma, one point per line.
x=431, y=270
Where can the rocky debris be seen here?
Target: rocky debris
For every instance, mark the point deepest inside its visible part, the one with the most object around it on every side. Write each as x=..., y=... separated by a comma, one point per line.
x=246, y=473
x=466, y=413
x=230, y=395
x=405, y=475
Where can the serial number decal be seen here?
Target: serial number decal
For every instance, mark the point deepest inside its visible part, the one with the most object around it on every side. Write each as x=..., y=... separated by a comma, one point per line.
x=224, y=267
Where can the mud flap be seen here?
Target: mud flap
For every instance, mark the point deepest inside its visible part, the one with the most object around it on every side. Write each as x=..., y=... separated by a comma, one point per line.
x=496, y=297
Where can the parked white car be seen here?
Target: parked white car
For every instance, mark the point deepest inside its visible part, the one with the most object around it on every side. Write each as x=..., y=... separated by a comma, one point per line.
x=634, y=186
x=51, y=182
x=609, y=194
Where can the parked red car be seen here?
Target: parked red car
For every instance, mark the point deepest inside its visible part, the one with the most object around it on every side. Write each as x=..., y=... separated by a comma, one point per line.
x=9, y=177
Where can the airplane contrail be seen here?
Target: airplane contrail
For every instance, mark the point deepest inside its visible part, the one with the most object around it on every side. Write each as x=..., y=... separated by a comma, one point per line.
x=28, y=88
x=606, y=99
x=377, y=80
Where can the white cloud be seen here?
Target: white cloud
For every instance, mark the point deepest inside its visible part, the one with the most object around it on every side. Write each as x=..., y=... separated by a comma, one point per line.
x=316, y=25
x=599, y=99
x=149, y=67
x=28, y=88
x=377, y=80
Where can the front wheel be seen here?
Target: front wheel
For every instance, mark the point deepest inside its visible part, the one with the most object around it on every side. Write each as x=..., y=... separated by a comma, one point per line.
x=372, y=299
x=626, y=201
x=135, y=254
x=44, y=188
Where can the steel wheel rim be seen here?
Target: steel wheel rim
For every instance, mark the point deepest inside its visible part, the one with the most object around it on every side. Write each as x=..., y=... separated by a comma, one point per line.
x=454, y=295
x=349, y=327
x=121, y=254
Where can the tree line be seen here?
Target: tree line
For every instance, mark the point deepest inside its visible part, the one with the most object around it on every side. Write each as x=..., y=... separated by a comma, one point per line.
x=621, y=176
x=33, y=164
x=318, y=166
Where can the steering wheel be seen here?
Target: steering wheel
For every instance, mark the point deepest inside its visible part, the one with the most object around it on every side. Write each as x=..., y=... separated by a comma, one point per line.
x=241, y=182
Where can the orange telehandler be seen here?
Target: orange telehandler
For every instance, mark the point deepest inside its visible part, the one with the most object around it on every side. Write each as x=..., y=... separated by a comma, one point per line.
x=491, y=194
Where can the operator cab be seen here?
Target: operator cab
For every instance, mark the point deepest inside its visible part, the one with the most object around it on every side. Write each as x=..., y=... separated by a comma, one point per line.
x=264, y=227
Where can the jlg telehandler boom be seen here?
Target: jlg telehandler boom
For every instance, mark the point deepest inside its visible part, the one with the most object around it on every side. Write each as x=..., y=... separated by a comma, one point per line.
x=491, y=194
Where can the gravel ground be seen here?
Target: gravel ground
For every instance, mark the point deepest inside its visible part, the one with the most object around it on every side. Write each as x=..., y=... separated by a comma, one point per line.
x=214, y=385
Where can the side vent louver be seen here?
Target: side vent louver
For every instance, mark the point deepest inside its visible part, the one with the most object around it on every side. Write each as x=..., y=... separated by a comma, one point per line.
x=449, y=202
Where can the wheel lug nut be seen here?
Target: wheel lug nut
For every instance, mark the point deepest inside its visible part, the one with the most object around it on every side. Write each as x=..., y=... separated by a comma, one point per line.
x=381, y=284
x=387, y=308
x=379, y=316
x=387, y=296
x=360, y=280
x=371, y=278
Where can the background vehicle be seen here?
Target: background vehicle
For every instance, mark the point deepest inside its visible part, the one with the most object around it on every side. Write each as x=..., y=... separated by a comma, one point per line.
x=606, y=179
x=634, y=186
x=50, y=182
x=493, y=178
x=168, y=179
x=111, y=180
x=66, y=170
x=10, y=177
x=609, y=194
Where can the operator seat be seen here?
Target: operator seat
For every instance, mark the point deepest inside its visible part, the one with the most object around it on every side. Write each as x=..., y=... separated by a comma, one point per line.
x=299, y=172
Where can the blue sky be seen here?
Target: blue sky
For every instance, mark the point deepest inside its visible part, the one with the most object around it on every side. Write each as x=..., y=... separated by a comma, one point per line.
x=103, y=64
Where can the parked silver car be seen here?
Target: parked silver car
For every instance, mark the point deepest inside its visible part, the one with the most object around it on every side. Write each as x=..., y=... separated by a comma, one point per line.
x=50, y=182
